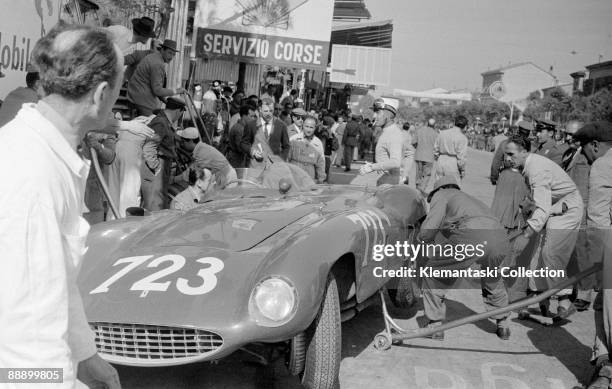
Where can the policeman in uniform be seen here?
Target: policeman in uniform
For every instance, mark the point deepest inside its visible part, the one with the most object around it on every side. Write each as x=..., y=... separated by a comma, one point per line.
x=546, y=145
x=596, y=142
x=390, y=144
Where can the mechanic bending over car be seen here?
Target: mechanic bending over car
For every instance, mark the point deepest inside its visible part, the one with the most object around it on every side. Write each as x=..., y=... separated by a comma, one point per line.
x=199, y=182
x=457, y=218
x=205, y=156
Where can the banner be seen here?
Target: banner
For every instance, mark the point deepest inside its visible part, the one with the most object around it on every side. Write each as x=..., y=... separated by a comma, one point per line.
x=293, y=33
x=22, y=23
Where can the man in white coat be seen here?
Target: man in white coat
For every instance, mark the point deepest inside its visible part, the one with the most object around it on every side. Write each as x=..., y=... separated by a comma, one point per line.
x=42, y=233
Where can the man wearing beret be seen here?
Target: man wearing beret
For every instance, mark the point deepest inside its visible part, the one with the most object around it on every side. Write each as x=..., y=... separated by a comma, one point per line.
x=389, y=149
x=158, y=154
x=596, y=142
x=556, y=218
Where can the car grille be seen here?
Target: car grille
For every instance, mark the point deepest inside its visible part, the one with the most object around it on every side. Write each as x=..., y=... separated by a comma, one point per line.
x=140, y=342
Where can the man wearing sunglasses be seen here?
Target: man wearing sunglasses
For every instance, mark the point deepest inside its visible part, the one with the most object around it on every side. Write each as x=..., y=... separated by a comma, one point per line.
x=390, y=144
x=295, y=129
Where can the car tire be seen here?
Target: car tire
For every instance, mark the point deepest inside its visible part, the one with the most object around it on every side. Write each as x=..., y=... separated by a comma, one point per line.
x=296, y=357
x=402, y=292
x=324, y=343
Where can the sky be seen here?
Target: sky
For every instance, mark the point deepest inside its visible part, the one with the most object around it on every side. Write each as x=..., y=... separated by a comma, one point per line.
x=448, y=43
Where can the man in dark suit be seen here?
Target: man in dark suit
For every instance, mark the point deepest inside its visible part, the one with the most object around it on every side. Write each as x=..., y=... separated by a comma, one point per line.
x=265, y=137
x=349, y=140
x=234, y=153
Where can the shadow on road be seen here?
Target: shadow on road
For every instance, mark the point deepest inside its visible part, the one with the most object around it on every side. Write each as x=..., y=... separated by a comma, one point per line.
x=557, y=342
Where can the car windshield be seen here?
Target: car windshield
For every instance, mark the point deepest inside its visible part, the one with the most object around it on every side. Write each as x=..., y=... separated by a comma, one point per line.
x=268, y=178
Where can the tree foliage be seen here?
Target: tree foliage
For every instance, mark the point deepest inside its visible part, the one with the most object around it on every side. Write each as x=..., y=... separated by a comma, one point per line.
x=563, y=108
x=487, y=112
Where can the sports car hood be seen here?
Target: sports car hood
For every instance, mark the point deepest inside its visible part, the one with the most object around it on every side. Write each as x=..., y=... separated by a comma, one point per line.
x=233, y=225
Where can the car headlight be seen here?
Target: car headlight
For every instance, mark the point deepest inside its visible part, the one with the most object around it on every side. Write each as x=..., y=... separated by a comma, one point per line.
x=273, y=302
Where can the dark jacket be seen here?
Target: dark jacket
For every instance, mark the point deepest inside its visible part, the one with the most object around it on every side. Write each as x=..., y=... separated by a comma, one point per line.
x=497, y=165
x=234, y=153
x=278, y=140
x=462, y=219
x=351, y=132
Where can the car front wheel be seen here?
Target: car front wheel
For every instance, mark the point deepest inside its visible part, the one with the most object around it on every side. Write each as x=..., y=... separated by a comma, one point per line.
x=324, y=343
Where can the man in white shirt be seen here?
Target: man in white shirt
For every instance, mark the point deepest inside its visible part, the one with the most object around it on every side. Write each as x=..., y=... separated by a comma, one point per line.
x=42, y=234
x=557, y=215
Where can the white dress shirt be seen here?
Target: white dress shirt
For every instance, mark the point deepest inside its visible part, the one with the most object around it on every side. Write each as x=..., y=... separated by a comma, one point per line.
x=42, y=236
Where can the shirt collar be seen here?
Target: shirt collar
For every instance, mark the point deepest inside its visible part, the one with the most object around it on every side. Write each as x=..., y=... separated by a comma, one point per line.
x=53, y=135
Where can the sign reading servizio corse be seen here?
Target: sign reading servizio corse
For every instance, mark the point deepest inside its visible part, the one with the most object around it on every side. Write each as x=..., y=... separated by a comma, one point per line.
x=292, y=33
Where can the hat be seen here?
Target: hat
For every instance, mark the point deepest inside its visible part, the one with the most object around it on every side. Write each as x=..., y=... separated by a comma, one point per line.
x=298, y=112
x=431, y=121
x=600, y=131
x=328, y=121
x=175, y=103
x=189, y=133
x=443, y=181
x=524, y=125
x=170, y=44
x=573, y=126
x=144, y=27
x=216, y=85
x=545, y=124
x=389, y=103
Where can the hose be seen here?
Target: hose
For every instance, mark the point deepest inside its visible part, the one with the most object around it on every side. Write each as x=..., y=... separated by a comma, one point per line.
x=424, y=332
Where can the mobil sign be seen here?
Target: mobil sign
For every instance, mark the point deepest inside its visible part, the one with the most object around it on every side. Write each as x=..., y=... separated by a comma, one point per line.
x=293, y=33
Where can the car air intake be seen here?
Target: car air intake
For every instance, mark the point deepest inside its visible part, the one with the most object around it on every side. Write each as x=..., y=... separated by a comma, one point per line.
x=145, y=345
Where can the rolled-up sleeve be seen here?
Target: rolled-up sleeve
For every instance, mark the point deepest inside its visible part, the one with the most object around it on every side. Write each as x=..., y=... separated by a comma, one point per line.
x=540, y=181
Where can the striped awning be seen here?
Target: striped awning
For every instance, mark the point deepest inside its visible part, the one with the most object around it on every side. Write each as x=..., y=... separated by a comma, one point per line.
x=372, y=34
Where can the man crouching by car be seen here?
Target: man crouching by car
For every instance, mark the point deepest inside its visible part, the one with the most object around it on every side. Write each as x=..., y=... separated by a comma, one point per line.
x=462, y=220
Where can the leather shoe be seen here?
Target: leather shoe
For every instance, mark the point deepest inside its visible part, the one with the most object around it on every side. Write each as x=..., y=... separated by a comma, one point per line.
x=503, y=333
x=563, y=313
x=581, y=305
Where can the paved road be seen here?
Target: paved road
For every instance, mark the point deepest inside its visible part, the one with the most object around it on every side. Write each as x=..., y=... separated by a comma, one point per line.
x=471, y=356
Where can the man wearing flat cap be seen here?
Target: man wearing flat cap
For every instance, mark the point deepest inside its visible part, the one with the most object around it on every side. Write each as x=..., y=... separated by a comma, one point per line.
x=459, y=219
x=390, y=144
x=158, y=154
x=146, y=89
x=596, y=141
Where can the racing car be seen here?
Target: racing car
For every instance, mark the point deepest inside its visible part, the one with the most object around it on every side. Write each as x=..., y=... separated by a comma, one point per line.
x=253, y=264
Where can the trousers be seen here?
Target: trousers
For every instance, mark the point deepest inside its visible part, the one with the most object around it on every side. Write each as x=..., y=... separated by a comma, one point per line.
x=155, y=187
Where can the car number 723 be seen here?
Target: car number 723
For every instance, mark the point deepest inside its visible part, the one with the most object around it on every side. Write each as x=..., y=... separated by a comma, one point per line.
x=151, y=282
